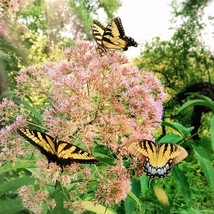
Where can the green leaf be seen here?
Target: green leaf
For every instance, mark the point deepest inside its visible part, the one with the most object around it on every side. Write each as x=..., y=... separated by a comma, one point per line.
x=171, y=138
x=179, y=128
x=30, y=108
x=135, y=199
x=212, y=131
x=14, y=166
x=144, y=183
x=206, y=165
x=98, y=209
x=182, y=182
x=103, y=154
x=11, y=206
x=129, y=205
x=132, y=200
x=205, y=98
x=15, y=184
x=59, y=196
x=199, y=102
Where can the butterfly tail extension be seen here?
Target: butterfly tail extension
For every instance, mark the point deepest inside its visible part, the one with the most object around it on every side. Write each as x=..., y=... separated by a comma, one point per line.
x=130, y=42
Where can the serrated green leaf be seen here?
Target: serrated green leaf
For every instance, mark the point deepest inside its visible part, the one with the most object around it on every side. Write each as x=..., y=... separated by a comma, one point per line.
x=206, y=164
x=182, y=182
x=103, y=154
x=129, y=205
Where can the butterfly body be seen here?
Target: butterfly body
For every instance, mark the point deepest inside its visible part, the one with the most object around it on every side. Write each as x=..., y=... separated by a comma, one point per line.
x=60, y=152
x=158, y=159
x=112, y=37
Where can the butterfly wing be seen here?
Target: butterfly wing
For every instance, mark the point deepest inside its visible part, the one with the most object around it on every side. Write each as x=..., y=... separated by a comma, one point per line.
x=45, y=143
x=168, y=151
x=62, y=153
x=115, y=28
x=68, y=153
x=158, y=158
x=97, y=32
x=144, y=150
x=114, y=36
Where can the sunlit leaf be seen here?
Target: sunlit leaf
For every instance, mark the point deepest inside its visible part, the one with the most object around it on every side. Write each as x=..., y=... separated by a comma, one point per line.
x=98, y=209
x=162, y=198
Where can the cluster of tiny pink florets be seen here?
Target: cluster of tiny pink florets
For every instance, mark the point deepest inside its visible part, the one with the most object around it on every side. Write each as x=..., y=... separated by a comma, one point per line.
x=101, y=98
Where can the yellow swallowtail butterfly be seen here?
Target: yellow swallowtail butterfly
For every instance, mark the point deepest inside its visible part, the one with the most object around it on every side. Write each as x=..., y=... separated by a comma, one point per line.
x=62, y=153
x=158, y=159
x=111, y=37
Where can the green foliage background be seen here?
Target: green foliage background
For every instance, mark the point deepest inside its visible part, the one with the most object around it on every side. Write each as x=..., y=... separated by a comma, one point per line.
x=180, y=63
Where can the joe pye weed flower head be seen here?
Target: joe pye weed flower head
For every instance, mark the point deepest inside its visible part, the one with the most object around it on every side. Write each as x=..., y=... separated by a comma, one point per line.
x=99, y=102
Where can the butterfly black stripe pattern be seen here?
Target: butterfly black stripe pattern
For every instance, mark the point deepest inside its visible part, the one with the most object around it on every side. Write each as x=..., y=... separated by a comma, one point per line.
x=112, y=37
x=60, y=152
x=98, y=31
x=158, y=159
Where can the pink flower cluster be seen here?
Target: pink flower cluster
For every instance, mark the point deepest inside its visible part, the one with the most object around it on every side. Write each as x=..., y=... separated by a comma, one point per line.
x=10, y=147
x=33, y=199
x=90, y=98
x=100, y=96
x=114, y=186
